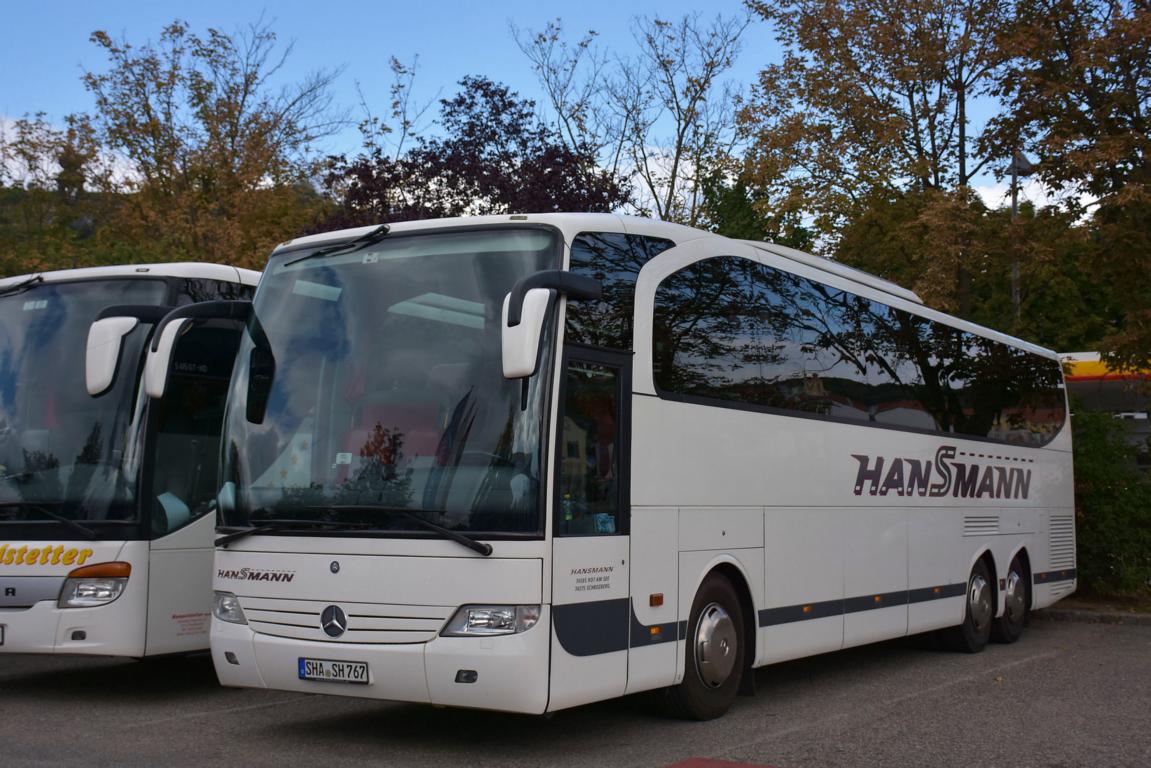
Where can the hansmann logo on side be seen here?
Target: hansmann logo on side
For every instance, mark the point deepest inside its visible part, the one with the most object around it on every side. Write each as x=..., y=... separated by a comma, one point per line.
x=255, y=574
x=941, y=476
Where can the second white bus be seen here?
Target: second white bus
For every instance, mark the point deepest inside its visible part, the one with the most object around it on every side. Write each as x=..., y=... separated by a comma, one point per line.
x=105, y=494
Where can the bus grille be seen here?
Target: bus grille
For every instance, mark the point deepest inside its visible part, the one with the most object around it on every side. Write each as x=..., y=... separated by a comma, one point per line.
x=1061, y=543
x=371, y=623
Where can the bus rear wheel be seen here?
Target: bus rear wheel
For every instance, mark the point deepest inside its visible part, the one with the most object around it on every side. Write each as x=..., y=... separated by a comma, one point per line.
x=715, y=654
x=1016, y=603
x=972, y=635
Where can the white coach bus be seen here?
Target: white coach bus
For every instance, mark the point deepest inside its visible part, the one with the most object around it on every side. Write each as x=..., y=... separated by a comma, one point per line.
x=528, y=462
x=105, y=547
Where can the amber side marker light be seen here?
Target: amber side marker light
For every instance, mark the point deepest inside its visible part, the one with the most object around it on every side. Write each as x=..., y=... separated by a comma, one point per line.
x=102, y=571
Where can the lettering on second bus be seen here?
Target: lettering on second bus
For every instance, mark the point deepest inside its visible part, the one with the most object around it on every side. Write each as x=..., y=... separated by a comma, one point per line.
x=50, y=554
x=878, y=476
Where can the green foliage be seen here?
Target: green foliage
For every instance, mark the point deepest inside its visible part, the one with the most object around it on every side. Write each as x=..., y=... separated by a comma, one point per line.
x=743, y=211
x=1112, y=508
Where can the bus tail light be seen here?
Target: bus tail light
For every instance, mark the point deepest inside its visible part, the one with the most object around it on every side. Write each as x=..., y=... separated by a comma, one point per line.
x=94, y=585
x=226, y=607
x=486, y=620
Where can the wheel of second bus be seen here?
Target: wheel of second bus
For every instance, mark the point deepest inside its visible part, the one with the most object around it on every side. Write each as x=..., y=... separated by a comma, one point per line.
x=715, y=654
x=1016, y=603
x=972, y=635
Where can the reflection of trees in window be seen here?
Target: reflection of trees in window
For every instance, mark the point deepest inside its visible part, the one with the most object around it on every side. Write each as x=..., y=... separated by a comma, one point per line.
x=384, y=477
x=615, y=260
x=708, y=335
x=733, y=329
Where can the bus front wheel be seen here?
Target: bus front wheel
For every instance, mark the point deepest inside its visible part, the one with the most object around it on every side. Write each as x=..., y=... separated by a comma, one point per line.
x=715, y=653
x=979, y=612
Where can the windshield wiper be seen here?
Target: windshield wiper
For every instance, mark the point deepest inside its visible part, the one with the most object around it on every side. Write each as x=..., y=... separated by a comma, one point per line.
x=475, y=545
x=268, y=526
x=23, y=285
x=83, y=529
x=363, y=241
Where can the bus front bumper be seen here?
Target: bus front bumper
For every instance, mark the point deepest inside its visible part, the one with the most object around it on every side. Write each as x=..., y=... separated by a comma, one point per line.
x=106, y=630
x=510, y=671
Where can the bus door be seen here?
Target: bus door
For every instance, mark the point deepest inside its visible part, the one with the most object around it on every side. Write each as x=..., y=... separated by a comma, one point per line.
x=591, y=607
x=180, y=487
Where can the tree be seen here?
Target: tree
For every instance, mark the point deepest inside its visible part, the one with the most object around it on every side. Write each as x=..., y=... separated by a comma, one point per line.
x=663, y=117
x=51, y=180
x=218, y=159
x=493, y=156
x=1077, y=94
x=871, y=95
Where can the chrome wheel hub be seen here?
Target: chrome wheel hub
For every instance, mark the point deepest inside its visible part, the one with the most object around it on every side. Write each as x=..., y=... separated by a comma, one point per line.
x=979, y=602
x=715, y=645
x=1016, y=597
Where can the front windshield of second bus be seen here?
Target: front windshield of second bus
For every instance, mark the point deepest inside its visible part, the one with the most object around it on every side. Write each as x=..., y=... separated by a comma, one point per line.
x=385, y=398
x=62, y=452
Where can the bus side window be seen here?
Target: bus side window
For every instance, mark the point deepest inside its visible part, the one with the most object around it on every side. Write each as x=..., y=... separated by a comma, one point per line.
x=187, y=422
x=589, y=451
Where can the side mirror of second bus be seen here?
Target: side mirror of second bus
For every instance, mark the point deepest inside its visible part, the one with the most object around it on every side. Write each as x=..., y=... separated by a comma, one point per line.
x=159, y=361
x=520, y=343
x=105, y=339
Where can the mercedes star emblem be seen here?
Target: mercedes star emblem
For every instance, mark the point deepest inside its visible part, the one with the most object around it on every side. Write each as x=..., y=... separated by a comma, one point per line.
x=333, y=621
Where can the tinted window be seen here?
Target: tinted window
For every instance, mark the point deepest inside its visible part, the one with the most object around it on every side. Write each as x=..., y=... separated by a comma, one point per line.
x=614, y=259
x=187, y=423
x=194, y=290
x=736, y=330
x=589, y=453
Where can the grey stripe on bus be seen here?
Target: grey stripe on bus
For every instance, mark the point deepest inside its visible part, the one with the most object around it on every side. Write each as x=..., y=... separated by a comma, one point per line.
x=654, y=634
x=589, y=629
x=602, y=626
x=1050, y=577
x=769, y=617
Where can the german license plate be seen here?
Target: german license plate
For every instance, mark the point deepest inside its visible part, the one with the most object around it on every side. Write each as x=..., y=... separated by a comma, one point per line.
x=330, y=671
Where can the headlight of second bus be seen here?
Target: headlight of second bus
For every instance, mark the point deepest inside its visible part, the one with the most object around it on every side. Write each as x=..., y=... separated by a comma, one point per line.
x=226, y=607
x=486, y=620
x=94, y=585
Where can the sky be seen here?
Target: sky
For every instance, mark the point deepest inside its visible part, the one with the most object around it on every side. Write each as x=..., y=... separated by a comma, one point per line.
x=47, y=49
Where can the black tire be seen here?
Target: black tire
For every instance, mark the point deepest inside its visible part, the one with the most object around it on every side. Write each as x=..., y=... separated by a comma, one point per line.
x=972, y=635
x=1016, y=603
x=703, y=695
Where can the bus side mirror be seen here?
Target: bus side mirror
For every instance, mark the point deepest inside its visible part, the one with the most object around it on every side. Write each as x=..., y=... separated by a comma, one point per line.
x=105, y=339
x=525, y=309
x=261, y=370
x=520, y=344
x=168, y=331
x=160, y=359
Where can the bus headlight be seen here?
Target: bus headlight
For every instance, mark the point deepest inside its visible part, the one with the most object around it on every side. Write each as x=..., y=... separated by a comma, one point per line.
x=226, y=607
x=472, y=620
x=94, y=585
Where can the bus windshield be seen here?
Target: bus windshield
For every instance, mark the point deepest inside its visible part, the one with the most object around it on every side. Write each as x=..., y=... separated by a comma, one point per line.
x=63, y=453
x=369, y=389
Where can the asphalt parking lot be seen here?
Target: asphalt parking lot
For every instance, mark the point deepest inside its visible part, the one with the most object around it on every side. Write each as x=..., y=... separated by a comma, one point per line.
x=1068, y=694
